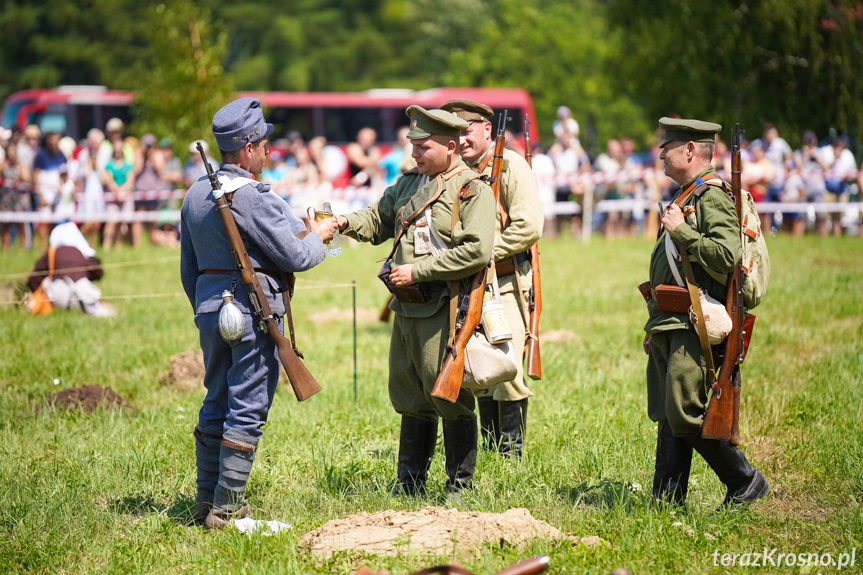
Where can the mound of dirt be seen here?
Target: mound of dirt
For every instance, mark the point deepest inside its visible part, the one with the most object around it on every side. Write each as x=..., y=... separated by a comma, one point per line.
x=86, y=398
x=187, y=371
x=433, y=529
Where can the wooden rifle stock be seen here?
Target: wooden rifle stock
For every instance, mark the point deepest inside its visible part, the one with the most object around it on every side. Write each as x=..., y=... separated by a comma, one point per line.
x=723, y=412
x=529, y=566
x=534, y=363
x=302, y=381
x=385, y=313
x=448, y=384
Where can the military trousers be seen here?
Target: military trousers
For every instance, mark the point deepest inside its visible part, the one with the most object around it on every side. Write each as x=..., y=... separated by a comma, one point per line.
x=516, y=389
x=241, y=378
x=677, y=389
x=417, y=349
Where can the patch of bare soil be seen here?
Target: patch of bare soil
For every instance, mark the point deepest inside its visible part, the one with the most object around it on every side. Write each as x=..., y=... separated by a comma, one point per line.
x=87, y=399
x=364, y=315
x=430, y=530
x=186, y=372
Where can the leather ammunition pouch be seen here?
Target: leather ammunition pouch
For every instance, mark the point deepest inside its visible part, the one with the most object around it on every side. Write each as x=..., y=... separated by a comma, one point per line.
x=668, y=298
x=508, y=266
x=414, y=293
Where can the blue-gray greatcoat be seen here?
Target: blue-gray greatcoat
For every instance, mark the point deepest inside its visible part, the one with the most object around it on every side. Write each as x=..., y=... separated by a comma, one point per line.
x=241, y=375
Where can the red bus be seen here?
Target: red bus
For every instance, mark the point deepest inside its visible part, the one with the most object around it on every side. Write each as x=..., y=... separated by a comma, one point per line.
x=338, y=116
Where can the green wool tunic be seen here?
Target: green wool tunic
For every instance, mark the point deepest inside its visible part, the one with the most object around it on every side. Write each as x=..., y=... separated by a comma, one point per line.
x=676, y=371
x=420, y=331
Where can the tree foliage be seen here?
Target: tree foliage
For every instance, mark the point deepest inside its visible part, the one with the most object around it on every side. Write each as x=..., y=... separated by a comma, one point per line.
x=787, y=62
x=181, y=82
x=619, y=64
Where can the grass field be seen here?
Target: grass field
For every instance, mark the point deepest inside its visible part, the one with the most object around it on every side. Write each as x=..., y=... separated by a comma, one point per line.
x=109, y=492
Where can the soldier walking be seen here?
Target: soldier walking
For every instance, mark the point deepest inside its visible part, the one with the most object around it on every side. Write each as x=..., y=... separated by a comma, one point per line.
x=677, y=389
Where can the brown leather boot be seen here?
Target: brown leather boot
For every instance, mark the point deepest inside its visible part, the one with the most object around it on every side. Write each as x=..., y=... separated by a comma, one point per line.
x=202, y=509
x=219, y=518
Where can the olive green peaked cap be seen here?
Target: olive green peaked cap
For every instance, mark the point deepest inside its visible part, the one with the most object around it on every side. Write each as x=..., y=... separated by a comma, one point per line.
x=425, y=123
x=678, y=129
x=468, y=110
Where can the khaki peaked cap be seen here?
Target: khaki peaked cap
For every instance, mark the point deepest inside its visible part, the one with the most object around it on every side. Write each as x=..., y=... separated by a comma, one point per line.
x=683, y=130
x=427, y=123
x=468, y=110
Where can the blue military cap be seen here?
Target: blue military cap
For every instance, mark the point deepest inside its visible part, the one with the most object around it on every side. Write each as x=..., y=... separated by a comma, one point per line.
x=240, y=122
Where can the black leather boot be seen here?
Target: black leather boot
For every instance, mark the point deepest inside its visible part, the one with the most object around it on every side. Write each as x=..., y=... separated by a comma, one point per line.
x=459, y=440
x=489, y=422
x=513, y=424
x=673, y=462
x=745, y=485
x=417, y=440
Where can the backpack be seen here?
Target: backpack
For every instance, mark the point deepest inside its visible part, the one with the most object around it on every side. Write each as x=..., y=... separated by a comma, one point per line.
x=755, y=260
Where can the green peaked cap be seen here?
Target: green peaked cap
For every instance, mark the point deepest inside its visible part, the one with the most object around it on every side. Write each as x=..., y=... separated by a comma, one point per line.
x=425, y=123
x=679, y=129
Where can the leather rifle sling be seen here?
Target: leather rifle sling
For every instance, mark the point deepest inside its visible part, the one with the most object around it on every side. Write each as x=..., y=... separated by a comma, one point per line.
x=288, y=280
x=692, y=287
x=701, y=326
x=504, y=223
x=453, y=285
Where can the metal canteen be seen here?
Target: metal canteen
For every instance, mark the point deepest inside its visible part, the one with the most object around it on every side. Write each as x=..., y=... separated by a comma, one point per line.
x=231, y=321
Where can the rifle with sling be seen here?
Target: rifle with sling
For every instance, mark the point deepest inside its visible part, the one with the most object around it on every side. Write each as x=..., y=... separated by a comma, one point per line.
x=385, y=312
x=302, y=381
x=534, y=364
x=723, y=412
x=469, y=313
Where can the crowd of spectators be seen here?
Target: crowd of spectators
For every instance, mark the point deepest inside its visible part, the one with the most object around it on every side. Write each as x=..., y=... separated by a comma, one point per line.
x=820, y=172
x=110, y=173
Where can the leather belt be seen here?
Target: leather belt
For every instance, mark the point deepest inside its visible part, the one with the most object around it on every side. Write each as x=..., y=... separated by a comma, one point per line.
x=274, y=273
x=507, y=267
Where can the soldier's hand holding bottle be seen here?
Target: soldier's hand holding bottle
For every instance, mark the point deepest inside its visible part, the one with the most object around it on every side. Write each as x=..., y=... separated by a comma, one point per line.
x=324, y=228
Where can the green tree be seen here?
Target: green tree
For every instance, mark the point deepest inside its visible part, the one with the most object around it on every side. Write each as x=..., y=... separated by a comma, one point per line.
x=560, y=52
x=788, y=62
x=52, y=42
x=181, y=84
x=319, y=45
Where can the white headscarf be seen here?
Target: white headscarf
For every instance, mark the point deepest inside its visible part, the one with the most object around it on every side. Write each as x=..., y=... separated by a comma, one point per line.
x=68, y=234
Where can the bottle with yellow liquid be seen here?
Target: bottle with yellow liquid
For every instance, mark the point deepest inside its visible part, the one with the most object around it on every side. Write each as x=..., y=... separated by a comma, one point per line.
x=334, y=246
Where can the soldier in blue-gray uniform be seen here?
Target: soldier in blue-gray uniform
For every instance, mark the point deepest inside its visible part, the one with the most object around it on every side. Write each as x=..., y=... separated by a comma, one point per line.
x=241, y=375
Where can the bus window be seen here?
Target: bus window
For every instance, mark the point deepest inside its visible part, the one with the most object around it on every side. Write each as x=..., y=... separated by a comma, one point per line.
x=10, y=112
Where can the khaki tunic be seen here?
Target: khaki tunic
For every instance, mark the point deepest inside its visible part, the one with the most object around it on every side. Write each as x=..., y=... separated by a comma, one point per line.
x=420, y=331
x=676, y=372
x=520, y=192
